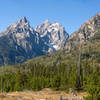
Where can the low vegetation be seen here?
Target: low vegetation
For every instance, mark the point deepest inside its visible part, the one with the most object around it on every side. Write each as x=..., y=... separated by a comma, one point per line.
x=59, y=71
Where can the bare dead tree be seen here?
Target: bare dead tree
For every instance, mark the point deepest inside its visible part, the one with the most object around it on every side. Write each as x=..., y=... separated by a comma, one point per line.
x=79, y=64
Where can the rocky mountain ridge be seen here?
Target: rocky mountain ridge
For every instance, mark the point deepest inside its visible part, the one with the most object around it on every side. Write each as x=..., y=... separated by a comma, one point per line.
x=53, y=34
x=85, y=32
x=20, y=42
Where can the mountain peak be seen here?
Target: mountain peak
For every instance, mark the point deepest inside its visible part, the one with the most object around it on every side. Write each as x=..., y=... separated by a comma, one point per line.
x=87, y=29
x=42, y=27
x=57, y=23
x=19, y=26
x=23, y=20
x=98, y=14
x=54, y=35
x=95, y=19
x=47, y=21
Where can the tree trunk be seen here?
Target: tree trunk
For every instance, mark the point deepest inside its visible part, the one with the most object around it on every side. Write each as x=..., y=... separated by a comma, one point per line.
x=79, y=65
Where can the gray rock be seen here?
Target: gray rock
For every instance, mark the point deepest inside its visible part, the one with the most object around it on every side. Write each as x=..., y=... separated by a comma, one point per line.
x=84, y=33
x=54, y=35
x=20, y=42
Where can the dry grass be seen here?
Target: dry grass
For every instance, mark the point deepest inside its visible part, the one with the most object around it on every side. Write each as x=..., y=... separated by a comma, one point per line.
x=39, y=95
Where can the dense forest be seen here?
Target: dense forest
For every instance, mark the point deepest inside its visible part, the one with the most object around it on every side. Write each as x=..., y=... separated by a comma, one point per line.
x=78, y=69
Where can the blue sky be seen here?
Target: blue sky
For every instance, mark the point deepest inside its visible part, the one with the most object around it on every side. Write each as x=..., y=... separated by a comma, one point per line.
x=70, y=13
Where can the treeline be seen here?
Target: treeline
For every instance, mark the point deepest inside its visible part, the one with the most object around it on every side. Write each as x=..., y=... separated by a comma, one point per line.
x=37, y=77
x=60, y=77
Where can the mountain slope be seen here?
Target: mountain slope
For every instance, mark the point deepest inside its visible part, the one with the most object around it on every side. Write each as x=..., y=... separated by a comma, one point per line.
x=60, y=70
x=89, y=37
x=54, y=35
x=20, y=42
x=90, y=54
x=85, y=32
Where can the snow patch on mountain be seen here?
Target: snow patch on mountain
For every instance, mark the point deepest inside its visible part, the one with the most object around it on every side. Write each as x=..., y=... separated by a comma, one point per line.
x=53, y=35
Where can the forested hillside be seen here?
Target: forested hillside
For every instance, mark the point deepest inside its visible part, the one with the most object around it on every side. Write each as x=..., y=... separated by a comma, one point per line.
x=78, y=69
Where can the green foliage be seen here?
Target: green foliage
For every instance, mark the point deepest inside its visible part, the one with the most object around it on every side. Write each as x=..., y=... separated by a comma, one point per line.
x=88, y=98
x=37, y=77
x=59, y=71
x=93, y=86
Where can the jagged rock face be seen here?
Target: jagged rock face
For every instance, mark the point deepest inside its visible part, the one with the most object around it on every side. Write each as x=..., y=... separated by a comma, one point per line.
x=20, y=42
x=86, y=31
x=54, y=35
